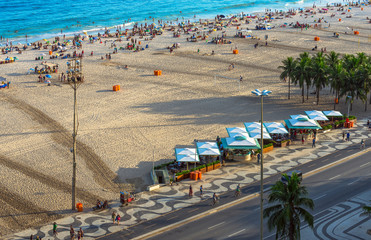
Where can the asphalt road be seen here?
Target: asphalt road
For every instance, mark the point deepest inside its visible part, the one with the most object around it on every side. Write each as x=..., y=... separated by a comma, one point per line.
x=241, y=221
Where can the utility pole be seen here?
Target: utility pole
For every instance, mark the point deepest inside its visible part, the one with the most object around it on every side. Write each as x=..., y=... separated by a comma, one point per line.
x=75, y=79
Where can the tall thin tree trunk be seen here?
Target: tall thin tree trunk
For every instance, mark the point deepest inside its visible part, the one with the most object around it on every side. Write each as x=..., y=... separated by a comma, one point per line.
x=308, y=93
x=302, y=93
x=370, y=97
x=351, y=106
x=289, y=87
x=317, y=91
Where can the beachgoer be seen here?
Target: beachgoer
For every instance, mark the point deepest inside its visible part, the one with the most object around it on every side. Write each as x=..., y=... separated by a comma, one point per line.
x=55, y=233
x=348, y=136
x=80, y=234
x=113, y=217
x=314, y=143
x=258, y=156
x=343, y=135
x=201, y=191
x=190, y=194
x=118, y=218
x=72, y=233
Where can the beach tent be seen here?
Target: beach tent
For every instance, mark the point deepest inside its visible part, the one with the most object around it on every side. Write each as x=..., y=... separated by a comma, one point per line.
x=302, y=123
x=316, y=115
x=275, y=128
x=299, y=116
x=208, y=149
x=235, y=130
x=332, y=113
x=254, y=130
x=240, y=143
x=186, y=155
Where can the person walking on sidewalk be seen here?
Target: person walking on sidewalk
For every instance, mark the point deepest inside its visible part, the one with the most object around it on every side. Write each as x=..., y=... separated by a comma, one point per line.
x=363, y=146
x=348, y=136
x=55, y=233
x=118, y=218
x=302, y=139
x=113, y=217
x=258, y=156
x=72, y=233
x=201, y=193
x=314, y=143
x=190, y=194
x=343, y=135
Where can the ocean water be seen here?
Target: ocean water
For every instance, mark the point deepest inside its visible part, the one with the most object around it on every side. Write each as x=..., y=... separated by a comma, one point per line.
x=40, y=19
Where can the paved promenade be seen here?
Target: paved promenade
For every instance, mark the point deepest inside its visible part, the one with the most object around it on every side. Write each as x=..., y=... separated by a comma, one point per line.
x=170, y=198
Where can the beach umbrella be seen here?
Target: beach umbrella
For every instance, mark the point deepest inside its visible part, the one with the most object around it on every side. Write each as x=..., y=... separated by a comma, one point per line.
x=7, y=59
x=32, y=69
x=15, y=58
x=48, y=76
x=42, y=54
x=45, y=39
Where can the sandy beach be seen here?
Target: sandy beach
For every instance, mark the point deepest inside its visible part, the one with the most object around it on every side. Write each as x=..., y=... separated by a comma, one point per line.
x=121, y=135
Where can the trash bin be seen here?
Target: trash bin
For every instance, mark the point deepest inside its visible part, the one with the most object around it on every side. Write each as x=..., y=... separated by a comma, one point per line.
x=79, y=207
x=200, y=175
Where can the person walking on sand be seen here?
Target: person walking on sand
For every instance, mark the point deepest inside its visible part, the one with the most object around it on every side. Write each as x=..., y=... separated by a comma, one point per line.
x=113, y=217
x=190, y=191
x=55, y=233
x=118, y=218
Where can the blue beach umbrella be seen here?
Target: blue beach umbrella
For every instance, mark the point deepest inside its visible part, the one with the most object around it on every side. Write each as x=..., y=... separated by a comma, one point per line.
x=7, y=59
x=31, y=69
x=48, y=76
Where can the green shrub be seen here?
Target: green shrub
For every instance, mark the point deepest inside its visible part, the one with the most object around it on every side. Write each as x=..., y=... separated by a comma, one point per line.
x=268, y=145
x=216, y=162
x=209, y=164
x=352, y=117
x=287, y=140
x=200, y=167
x=183, y=172
x=337, y=123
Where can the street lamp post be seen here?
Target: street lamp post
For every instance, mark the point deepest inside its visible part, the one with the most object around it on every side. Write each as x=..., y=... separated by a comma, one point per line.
x=75, y=79
x=257, y=92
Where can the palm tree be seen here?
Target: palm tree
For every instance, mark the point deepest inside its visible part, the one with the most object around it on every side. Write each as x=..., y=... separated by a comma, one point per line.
x=336, y=74
x=288, y=70
x=332, y=59
x=318, y=71
x=287, y=214
x=301, y=72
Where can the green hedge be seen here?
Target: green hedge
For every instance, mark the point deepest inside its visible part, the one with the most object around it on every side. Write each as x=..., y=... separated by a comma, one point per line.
x=216, y=162
x=352, y=117
x=209, y=164
x=326, y=127
x=182, y=172
x=163, y=165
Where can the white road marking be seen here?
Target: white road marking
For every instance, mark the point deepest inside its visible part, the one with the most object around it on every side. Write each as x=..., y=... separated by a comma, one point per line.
x=335, y=177
x=320, y=197
x=353, y=182
x=364, y=164
x=236, y=233
x=215, y=225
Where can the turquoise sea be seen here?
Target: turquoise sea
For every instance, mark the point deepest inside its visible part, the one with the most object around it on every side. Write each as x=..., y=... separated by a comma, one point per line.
x=46, y=18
